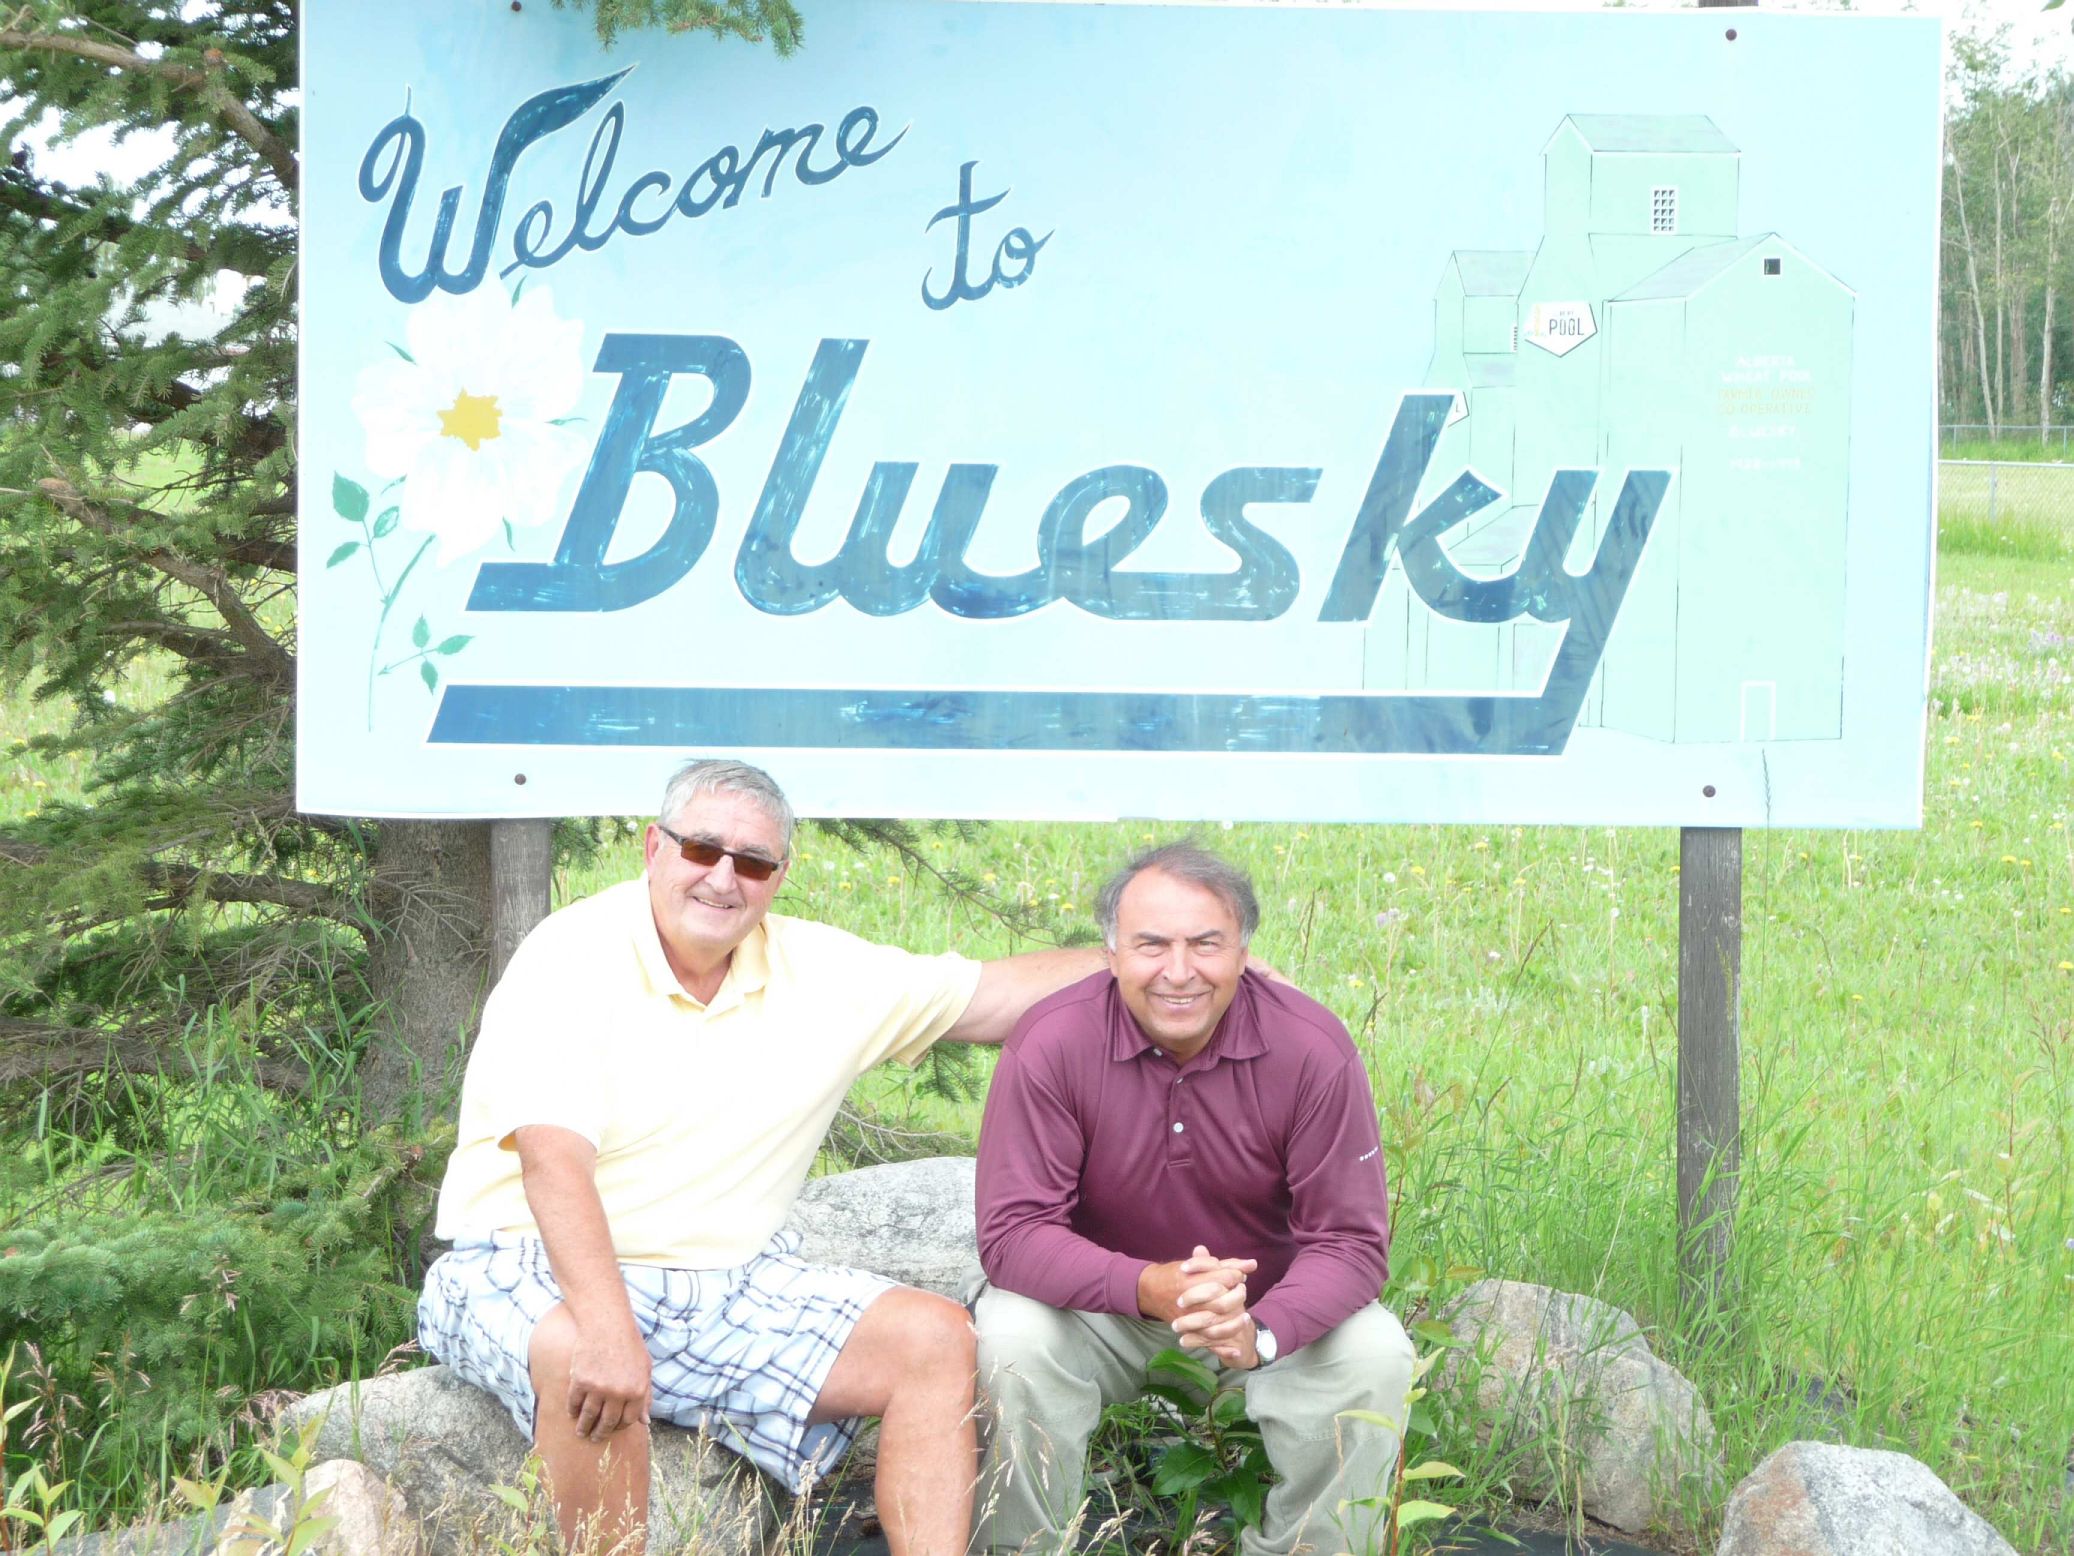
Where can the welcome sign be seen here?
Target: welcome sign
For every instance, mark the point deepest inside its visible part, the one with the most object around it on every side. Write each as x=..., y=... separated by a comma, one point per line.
x=1083, y=411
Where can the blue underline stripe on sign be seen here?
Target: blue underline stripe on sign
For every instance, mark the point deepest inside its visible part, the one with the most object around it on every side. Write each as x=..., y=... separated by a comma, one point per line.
x=906, y=720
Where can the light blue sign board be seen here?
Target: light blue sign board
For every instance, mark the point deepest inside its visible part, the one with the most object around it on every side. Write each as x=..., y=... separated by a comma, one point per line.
x=1086, y=411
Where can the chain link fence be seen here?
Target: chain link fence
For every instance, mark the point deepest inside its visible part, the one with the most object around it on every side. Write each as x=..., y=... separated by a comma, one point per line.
x=1957, y=439
x=2018, y=507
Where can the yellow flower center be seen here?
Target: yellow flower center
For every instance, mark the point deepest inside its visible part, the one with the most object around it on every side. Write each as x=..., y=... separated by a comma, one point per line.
x=473, y=418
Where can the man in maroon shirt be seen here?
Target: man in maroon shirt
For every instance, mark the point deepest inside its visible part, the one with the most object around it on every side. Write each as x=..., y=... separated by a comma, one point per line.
x=1179, y=1147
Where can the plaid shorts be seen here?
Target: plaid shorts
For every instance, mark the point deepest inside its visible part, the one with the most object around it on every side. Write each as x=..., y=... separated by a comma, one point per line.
x=739, y=1354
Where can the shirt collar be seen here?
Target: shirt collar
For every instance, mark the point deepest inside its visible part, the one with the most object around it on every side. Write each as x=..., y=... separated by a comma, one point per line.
x=748, y=970
x=1238, y=1035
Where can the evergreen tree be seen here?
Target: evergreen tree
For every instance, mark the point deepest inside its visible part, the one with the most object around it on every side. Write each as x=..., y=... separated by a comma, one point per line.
x=147, y=502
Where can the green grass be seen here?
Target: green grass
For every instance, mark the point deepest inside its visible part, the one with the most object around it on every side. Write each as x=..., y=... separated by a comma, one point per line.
x=2014, y=445
x=1908, y=1059
x=2015, y=512
x=1907, y=1200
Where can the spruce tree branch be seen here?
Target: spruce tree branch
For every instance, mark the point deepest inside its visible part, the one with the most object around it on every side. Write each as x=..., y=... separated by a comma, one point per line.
x=207, y=581
x=179, y=884
x=197, y=644
x=41, y=202
x=209, y=83
x=182, y=883
x=274, y=555
x=38, y=1050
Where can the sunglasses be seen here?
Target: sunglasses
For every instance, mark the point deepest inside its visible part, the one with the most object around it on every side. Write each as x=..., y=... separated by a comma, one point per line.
x=750, y=867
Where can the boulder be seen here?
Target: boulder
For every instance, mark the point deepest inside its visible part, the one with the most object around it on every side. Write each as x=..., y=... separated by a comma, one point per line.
x=1570, y=1385
x=1823, y=1499
x=445, y=1445
x=909, y=1221
x=196, y=1534
x=369, y=1518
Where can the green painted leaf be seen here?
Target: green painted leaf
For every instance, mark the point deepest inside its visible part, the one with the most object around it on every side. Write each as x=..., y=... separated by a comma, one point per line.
x=454, y=644
x=420, y=633
x=510, y=537
x=429, y=675
x=1184, y=1467
x=566, y=421
x=348, y=499
x=1416, y=1512
x=343, y=551
x=413, y=361
x=1432, y=1469
x=385, y=521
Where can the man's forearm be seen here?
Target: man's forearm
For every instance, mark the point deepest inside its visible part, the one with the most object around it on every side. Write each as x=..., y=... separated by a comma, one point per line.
x=571, y=1217
x=1012, y=984
x=1323, y=1288
x=1060, y=1268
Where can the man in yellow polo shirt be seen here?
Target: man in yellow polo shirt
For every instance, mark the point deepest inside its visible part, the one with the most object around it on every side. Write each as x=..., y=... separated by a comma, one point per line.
x=654, y=1074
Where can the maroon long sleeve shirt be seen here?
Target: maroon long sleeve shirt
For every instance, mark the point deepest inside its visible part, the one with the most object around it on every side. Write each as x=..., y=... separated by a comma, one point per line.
x=1099, y=1155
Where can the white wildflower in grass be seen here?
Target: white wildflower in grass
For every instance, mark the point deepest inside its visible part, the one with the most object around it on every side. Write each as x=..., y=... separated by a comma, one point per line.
x=471, y=419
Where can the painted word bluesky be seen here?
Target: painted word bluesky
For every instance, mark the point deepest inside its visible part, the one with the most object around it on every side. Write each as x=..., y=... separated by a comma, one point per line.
x=1088, y=573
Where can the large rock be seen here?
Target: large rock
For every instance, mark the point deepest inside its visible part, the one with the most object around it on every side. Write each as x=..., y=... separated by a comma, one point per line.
x=909, y=1221
x=1822, y=1499
x=445, y=1444
x=367, y=1514
x=194, y=1535
x=1570, y=1385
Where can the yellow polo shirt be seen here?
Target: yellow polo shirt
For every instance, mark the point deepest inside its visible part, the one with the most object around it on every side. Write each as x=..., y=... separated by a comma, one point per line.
x=706, y=1117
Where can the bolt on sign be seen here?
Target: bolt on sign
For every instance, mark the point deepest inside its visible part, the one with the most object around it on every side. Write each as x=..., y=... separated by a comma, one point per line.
x=1088, y=411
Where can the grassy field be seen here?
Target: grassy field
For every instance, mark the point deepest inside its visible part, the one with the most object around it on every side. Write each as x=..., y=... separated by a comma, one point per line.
x=1905, y=1243
x=2058, y=445
x=2012, y=511
x=1905, y=1247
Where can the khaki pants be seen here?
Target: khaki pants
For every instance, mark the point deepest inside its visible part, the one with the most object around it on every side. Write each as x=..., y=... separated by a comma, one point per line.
x=1045, y=1375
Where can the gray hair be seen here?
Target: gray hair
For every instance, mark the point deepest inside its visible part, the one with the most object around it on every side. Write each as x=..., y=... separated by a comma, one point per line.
x=717, y=775
x=1185, y=860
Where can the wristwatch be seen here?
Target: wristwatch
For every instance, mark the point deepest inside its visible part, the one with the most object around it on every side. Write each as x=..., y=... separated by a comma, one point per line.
x=1264, y=1343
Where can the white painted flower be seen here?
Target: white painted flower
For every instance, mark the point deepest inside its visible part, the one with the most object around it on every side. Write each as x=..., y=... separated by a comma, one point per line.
x=469, y=421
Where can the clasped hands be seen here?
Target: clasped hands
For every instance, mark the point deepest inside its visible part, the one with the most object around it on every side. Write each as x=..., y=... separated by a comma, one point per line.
x=1202, y=1298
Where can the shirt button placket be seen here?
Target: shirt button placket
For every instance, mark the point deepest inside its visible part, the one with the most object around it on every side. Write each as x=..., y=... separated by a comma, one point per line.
x=1179, y=1149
